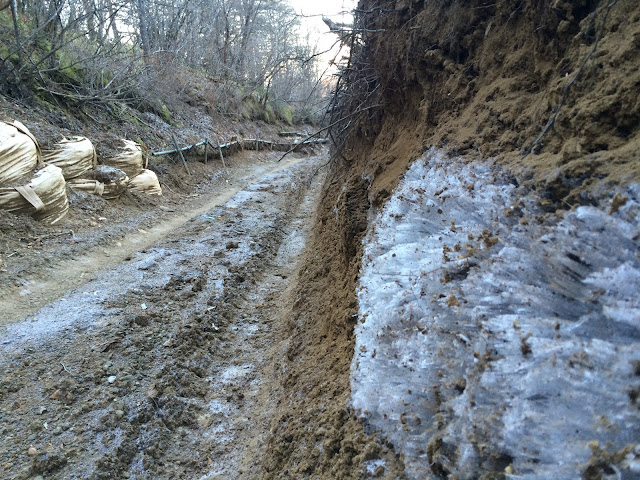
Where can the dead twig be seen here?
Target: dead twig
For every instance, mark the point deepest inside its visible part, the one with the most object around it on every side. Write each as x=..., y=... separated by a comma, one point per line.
x=328, y=128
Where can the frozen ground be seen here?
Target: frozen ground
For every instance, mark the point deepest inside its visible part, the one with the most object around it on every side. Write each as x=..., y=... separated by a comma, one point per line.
x=165, y=365
x=492, y=339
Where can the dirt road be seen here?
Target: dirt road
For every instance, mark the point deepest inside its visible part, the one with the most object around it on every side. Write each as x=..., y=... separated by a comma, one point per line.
x=162, y=363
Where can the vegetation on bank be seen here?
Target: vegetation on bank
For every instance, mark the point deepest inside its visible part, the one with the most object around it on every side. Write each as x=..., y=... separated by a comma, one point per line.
x=243, y=59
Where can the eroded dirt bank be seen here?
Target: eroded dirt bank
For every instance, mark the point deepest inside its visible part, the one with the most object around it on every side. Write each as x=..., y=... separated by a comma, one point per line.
x=476, y=79
x=164, y=366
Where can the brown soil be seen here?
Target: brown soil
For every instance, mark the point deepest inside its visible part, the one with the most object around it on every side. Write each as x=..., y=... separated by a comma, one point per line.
x=484, y=80
x=316, y=433
x=478, y=79
x=163, y=361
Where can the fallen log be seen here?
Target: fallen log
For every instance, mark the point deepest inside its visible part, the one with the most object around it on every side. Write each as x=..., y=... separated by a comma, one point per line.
x=183, y=149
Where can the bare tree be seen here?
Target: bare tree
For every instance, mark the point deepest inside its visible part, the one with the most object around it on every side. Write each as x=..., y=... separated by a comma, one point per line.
x=85, y=50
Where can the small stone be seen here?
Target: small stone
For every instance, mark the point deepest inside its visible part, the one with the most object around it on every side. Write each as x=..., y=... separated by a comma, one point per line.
x=102, y=219
x=143, y=306
x=452, y=301
x=231, y=245
x=57, y=431
x=42, y=410
x=205, y=420
x=55, y=395
x=111, y=379
x=119, y=413
x=32, y=451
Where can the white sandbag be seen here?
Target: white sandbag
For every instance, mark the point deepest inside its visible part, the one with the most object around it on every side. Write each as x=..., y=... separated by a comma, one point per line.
x=74, y=156
x=19, y=153
x=130, y=159
x=44, y=197
x=146, y=182
x=114, y=180
x=86, y=185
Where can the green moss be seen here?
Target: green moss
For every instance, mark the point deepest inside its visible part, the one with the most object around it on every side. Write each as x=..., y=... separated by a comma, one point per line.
x=268, y=115
x=5, y=53
x=5, y=19
x=165, y=113
x=70, y=69
x=286, y=114
x=133, y=119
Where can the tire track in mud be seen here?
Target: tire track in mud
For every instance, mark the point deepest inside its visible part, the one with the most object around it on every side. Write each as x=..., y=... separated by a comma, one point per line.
x=164, y=366
x=40, y=289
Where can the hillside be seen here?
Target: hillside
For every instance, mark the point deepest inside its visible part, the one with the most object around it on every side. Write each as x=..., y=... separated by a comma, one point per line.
x=450, y=291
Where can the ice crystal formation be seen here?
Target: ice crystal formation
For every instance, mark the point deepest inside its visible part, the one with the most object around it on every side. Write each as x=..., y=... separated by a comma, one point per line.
x=492, y=338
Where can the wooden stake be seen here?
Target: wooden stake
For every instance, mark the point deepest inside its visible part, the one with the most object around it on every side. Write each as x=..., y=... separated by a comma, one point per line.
x=175, y=142
x=221, y=156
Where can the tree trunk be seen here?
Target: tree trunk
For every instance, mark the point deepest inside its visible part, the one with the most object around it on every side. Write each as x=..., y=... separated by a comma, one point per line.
x=89, y=10
x=114, y=26
x=144, y=29
x=16, y=28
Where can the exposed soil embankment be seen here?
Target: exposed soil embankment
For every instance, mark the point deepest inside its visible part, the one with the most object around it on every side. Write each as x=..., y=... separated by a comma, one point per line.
x=479, y=78
x=550, y=89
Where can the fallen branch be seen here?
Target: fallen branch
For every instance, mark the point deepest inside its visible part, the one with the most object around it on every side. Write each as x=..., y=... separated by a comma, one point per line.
x=328, y=128
x=244, y=144
x=291, y=134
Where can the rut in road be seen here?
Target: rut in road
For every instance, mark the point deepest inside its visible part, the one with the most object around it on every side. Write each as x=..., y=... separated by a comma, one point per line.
x=167, y=365
x=75, y=267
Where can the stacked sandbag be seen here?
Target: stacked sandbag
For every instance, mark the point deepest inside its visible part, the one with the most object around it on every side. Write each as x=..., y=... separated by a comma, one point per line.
x=107, y=181
x=129, y=159
x=146, y=182
x=44, y=197
x=75, y=156
x=19, y=153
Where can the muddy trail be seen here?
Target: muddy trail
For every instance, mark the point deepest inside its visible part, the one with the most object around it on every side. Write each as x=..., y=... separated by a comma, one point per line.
x=164, y=363
x=45, y=270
